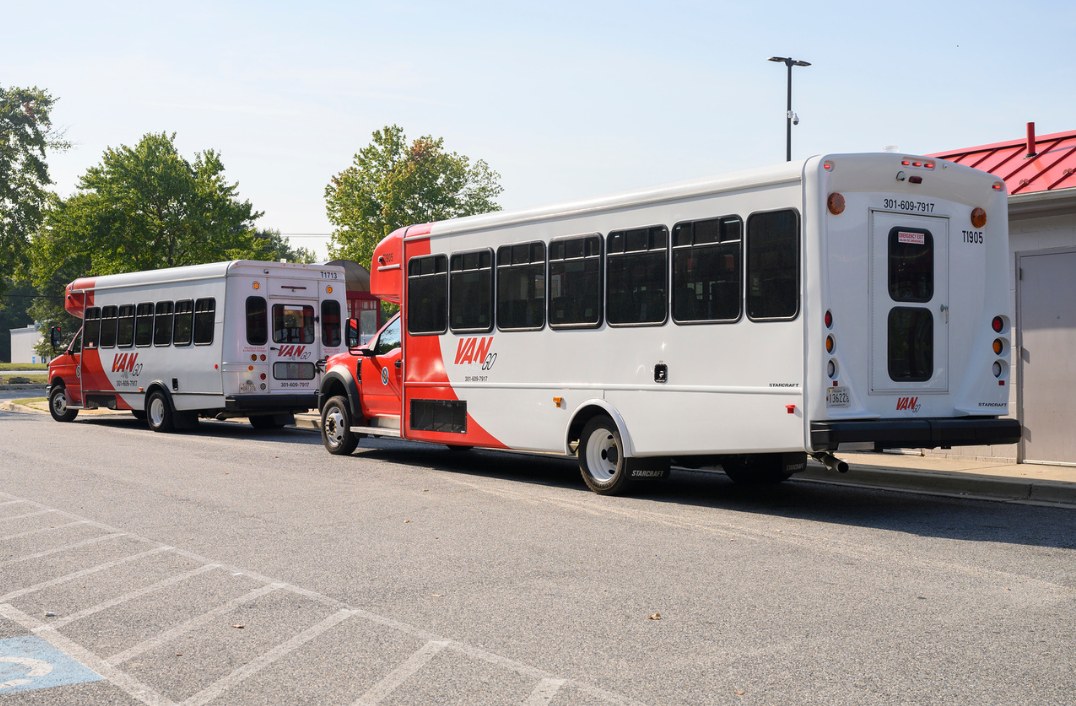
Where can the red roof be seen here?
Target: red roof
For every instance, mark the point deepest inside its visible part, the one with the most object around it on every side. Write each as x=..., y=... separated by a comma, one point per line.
x=1053, y=167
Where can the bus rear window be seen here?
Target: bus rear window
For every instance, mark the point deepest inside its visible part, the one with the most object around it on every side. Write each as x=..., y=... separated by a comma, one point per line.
x=911, y=265
x=257, y=322
x=330, y=323
x=911, y=344
x=293, y=323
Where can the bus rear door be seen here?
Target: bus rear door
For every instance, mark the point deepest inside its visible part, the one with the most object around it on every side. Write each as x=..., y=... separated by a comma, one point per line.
x=293, y=350
x=909, y=304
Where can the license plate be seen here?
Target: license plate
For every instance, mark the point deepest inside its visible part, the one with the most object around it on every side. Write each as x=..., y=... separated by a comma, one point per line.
x=838, y=397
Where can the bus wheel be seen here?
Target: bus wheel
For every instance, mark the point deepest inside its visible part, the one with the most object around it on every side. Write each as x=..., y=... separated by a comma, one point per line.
x=159, y=413
x=601, y=457
x=336, y=432
x=755, y=469
x=58, y=405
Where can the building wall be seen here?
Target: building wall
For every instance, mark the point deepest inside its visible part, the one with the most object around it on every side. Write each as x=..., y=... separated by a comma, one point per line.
x=1027, y=234
x=23, y=341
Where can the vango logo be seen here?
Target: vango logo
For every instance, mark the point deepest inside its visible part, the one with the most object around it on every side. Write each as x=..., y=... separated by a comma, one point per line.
x=291, y=351
x=124, y=362
x=473, y=350
x=907, y=403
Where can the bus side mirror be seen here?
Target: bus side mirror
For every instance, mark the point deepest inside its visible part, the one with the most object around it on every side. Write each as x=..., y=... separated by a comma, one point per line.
x=54, y=338
x=352, y=335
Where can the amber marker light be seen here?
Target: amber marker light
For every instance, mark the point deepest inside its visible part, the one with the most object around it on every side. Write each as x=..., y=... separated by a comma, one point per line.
x=835, y=202
x=978, y=217
x=329, y=289
x=257, y=285
x=998, y=346
x=830, y=344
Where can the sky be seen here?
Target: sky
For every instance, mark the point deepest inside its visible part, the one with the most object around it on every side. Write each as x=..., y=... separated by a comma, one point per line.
x=564, y=100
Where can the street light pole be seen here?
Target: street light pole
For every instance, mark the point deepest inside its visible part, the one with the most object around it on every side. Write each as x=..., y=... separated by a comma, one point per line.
x=789, y=62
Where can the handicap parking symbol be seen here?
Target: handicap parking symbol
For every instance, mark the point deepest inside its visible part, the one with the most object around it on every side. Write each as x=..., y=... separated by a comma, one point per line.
x=28, y=663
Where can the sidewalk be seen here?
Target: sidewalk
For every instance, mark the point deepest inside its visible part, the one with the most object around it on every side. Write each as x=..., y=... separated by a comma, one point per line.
x=966, y=478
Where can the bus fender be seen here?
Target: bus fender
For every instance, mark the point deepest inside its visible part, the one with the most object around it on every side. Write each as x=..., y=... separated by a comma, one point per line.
x=586, y=409
x=340, y=381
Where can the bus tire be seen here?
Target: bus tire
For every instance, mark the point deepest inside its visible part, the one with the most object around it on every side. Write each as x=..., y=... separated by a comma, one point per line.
x=755, y=469
x=601, y=457
x=159, y=413
x=336, y=434
x=454, y=447
x=59, y=405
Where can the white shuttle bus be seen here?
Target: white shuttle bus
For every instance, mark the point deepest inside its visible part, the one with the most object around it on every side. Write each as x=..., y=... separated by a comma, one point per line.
x=228, y=339
x=847, y=301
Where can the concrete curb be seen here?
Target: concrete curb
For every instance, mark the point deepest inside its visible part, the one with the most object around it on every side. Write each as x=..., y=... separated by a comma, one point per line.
x=968, y=485
x=23, y=386
x=12, y=407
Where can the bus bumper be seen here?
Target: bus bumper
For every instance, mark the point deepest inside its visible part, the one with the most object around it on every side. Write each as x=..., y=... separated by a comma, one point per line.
x=271, y=403
x=915, y=433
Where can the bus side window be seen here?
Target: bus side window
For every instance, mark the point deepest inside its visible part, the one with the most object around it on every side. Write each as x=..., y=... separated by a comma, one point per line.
x=521, y=286
x=91, y=327
x=204, y=315
x=162, y=324
x=257, y=321
x=330, y=323
x=575, y=282
x=470, y=295
x=144, y=324
x=427, y=295
x=636, y=272
x=125, y=327
x=181, y=327
x=773, y=265
x=706, y=278
x=108, y=327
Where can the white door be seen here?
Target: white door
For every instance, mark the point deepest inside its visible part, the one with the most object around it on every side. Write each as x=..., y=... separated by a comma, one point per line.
x=909, y=300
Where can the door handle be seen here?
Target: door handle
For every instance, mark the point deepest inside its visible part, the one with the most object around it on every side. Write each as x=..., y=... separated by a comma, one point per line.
x=399, y=364
x=945, y=308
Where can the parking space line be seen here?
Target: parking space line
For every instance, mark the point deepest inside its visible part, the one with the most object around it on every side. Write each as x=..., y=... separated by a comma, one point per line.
x=78, y=574
x=45, y=529
x=250, y=668
x=171, y=580
x=128, y=684
x=192, y=624
x=64, y=548
x=13, y=502
x=29, y=514
x=402, y=673
x=544, y=692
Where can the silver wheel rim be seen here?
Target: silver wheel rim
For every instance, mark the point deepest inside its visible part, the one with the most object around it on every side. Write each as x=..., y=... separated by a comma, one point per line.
x=156, y=411
x=602, y=455
x=59, y=402
x=335, y=426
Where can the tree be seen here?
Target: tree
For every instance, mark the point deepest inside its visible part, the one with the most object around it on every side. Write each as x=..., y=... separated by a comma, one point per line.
x=143, y=208
x=391, y=184
x=26, y=133
x=269, y=244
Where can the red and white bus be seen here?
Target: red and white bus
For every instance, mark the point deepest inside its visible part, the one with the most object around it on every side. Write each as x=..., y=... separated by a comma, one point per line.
x=227, y=339
x=847, y=301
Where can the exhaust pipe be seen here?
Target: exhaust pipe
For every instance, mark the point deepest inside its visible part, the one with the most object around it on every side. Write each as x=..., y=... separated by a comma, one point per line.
x=831, y=462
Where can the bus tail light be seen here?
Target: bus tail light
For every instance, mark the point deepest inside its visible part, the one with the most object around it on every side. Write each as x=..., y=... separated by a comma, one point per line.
x=829, y=319
x=997, y=324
